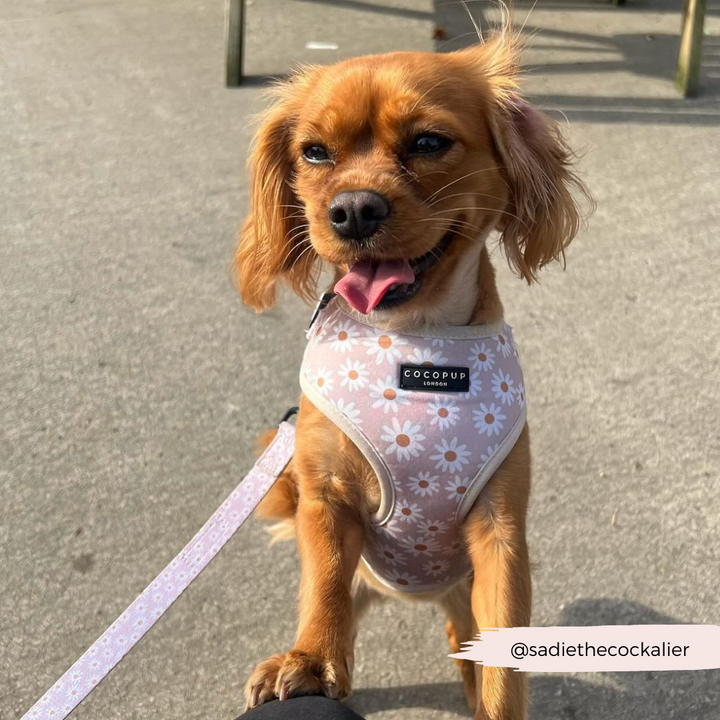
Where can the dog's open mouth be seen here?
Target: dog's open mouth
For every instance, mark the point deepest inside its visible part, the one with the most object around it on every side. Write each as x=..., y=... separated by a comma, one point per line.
x=383, y=284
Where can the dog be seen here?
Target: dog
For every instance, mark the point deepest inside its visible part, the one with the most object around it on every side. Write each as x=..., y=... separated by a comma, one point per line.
x=393, y=171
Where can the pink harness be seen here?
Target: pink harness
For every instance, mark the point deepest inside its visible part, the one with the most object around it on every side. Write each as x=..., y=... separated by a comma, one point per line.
x=434, y=416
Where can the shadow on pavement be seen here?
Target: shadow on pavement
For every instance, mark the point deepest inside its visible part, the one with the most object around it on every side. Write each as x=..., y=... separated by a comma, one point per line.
x=635, y=695
x=644, y=55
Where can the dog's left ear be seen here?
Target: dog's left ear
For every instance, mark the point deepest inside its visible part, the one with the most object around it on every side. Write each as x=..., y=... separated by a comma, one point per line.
x=544, y=213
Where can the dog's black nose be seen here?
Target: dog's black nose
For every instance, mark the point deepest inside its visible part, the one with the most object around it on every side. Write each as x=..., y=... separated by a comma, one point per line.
x=357, y=214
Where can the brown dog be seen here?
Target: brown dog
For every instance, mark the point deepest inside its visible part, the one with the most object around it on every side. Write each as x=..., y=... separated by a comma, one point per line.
x=422, y=153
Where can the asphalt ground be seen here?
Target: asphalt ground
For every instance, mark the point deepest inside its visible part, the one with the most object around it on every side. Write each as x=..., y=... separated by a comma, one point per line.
x=133, y=383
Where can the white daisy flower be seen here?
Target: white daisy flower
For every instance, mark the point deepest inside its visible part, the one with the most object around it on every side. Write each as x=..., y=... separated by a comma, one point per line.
x=444, y=412
x=323, y=381
x=457, y=488
x=343, y=336
x=73, y=688
x=404, y=440
x=492, y=449
x=390, y=554
x=394, y=527
x=320, y=332
x=488, y=420
x=387, y=395
x=503, y=386
x=475, y=384
x=504, y=345
x=402, y=578
x=409, y=512
x=427, y=357
x=432, y=527
x=520, y=394
x=451, y=456
x=423, y=484
x=384, y=347
x=481, y=357
x=452, y=549
x=420, y=545
x=354, y=374
x=350, y=411
x=436, y=567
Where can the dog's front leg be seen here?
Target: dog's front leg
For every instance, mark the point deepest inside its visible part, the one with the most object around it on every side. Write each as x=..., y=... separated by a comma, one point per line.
x=501, y=593
x=330, y=538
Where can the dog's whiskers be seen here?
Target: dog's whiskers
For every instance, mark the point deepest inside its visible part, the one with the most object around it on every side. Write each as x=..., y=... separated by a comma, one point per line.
x=300, y=256
x=471, y=238
x=447, y=197
x=457, y=180
x=484, y=209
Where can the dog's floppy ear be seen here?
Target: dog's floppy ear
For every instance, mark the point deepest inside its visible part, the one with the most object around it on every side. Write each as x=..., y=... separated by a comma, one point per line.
x=274, y=243
x=543, y=213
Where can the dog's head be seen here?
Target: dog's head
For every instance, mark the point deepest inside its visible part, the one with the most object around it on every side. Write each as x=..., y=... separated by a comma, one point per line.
x=394, y=168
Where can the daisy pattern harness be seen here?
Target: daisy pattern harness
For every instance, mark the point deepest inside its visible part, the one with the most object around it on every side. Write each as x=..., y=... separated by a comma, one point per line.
x=433, y=450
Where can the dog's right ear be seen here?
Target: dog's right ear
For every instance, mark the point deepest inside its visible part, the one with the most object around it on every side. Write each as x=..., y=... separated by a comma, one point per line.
x=274, y=242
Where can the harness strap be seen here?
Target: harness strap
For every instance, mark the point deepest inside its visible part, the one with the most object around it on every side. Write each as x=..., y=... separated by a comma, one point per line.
x=107, y=651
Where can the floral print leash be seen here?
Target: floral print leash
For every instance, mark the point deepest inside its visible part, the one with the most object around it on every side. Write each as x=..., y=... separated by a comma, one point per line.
x=107, y=651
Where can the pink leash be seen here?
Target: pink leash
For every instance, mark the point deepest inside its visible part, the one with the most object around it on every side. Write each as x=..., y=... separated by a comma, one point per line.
x=107, y=651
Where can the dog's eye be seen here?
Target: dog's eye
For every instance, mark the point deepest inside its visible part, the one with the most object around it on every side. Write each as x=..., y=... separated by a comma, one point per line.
x=428, y=144
x=316, y=154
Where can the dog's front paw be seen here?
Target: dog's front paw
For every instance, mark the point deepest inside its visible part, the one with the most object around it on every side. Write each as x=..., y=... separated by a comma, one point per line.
x=296, y=673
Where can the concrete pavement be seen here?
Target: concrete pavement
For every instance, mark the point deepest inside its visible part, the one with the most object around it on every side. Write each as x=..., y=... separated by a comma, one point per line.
x=133, y=382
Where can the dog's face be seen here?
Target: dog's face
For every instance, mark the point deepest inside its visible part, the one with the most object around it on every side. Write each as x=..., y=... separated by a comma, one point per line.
x=394, y=164
x=393, y=169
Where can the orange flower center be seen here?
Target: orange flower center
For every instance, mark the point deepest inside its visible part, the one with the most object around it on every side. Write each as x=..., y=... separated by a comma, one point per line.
x=504, y=386
x=443, y=412
x=450, y=456
x=482, y=357
x=402, y=440
x=489, y=418
x=353, y=375
x=389, y=394
x=384, y=342
x=342, y=335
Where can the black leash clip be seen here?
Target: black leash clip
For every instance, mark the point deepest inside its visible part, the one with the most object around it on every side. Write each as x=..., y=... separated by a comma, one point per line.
x=289, y=413
x=322, y=304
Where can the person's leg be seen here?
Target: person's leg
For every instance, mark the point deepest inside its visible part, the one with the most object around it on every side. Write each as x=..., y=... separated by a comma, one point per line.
x=309, y=707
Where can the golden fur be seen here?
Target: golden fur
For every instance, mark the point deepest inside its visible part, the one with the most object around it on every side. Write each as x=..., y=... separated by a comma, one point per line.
x=508, y=169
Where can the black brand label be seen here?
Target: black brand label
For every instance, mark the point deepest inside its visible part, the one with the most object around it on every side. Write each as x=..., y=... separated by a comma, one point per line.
x=434, y=379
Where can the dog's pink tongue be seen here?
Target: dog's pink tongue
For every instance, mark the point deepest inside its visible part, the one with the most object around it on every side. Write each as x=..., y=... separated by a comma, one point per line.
x=366, y=282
